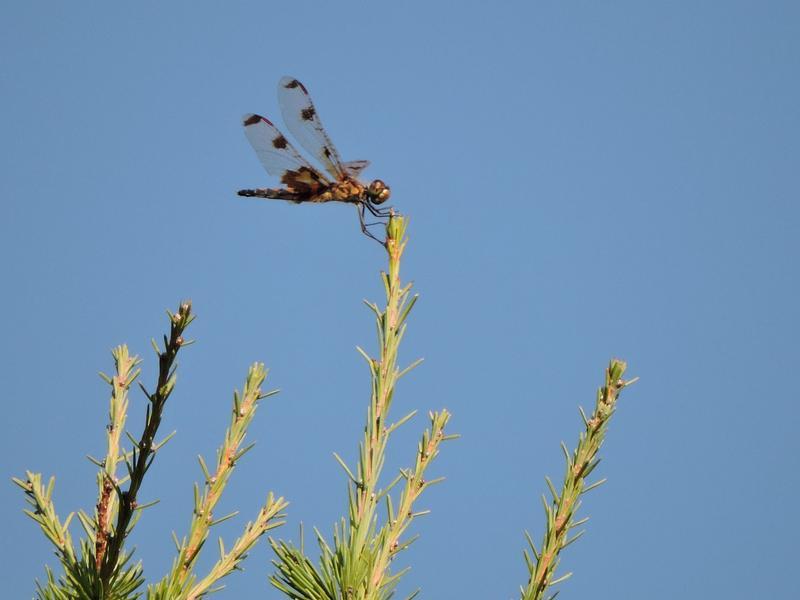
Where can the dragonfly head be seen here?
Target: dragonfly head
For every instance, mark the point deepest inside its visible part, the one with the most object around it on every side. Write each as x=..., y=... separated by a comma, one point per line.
x=378, y=192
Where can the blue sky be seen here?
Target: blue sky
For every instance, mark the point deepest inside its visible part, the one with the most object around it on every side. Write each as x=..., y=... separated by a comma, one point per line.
x=584, y=180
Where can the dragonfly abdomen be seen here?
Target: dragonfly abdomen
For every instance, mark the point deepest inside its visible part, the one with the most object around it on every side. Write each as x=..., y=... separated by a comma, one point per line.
x=276, y=194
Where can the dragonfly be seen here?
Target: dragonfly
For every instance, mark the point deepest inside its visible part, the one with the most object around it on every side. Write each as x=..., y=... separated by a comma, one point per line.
x=303, y=182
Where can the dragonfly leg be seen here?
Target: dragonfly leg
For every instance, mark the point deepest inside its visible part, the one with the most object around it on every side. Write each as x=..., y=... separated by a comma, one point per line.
x=378, y=212
x=364, y=225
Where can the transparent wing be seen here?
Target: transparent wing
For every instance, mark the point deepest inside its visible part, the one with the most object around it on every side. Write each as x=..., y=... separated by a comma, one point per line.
x=304, y=124
x=354, y=167
x=278, y=156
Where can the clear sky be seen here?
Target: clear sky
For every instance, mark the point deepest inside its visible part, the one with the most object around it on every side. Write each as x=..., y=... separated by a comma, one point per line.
x=584, y=180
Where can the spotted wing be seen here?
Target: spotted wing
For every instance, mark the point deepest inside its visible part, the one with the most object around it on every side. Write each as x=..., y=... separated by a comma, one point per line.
x=279, y=157
x=304, y=124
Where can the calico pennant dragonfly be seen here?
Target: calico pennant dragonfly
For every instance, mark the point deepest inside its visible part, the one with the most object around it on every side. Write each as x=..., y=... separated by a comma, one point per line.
x=304, y=182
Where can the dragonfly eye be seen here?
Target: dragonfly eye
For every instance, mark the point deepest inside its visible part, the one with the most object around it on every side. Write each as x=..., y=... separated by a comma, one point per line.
x=379, y=192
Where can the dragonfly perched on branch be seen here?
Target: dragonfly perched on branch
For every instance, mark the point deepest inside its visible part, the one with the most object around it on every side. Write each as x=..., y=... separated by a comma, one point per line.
x=303, y=181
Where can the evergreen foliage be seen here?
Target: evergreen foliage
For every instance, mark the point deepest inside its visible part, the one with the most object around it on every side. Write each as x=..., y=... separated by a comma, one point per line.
x=356, y=563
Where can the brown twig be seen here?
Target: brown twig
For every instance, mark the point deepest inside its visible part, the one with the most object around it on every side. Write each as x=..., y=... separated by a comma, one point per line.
x=101, y=536
x=143, y=453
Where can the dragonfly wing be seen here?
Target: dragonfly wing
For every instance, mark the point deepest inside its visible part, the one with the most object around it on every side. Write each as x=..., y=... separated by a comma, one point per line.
x=305, y=125
x=279, y=157
x=354, y=167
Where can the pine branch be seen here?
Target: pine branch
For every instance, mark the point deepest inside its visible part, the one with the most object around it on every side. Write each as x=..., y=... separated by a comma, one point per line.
x=144, y=451
x=100, y=569
x=44, y=513
x=397, y=522
x=180, y=582
x=229, y=561
x=126, y=373
x=560, y=510
x=356, y=565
